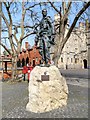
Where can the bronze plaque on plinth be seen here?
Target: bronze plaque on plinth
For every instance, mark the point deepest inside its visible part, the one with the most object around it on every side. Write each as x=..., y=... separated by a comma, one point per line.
x=45, y=77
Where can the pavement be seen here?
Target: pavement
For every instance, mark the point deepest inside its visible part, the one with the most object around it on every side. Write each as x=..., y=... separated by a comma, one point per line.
x=15, y=99
x=75, y=73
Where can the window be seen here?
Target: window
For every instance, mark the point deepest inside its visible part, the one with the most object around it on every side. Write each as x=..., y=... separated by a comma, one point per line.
x=71, y=60
x=75, y=39
x=75, y=48
x=19, y=63
x=36, y=59
x=67, y=59
x=27, y=60
x=23, y=62
x=76, y=60
x=61, y=59
x=34, y=50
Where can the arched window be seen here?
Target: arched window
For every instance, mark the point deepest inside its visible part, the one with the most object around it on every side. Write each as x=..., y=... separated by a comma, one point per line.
x=27, y=60
x=76, y=60
x=36, y=59
x=19, y=63
x=33, y=63
x=23, y=62
x=61, y=59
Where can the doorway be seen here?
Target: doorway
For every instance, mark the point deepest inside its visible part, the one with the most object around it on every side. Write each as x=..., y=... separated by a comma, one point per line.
x=85, y=63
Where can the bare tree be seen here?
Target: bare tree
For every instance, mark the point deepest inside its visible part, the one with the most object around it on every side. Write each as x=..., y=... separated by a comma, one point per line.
x=12, y=28
x=63, y=13
x=23, y=30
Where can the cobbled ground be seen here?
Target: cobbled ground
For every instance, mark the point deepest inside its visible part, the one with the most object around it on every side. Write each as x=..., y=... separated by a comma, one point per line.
x=15, y=99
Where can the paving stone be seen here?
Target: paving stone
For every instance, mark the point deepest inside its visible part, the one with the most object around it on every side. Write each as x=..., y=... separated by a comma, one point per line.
x=15, y=98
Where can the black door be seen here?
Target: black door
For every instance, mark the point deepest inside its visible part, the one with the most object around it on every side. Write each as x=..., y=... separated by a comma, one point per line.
x=85, y=63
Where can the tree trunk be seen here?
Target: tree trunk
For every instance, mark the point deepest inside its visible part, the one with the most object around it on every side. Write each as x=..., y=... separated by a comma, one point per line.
x=57, y=57
x=57, y=49
x=14, y=68
x=14, y=63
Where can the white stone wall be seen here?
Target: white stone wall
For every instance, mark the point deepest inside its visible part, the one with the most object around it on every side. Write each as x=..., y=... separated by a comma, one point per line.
x=75, y=50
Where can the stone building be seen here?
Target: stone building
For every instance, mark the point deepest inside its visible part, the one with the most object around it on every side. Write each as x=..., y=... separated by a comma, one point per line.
x=74, y=54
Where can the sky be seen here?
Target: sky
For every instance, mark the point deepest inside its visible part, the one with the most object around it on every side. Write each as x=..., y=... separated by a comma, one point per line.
x=51, y=12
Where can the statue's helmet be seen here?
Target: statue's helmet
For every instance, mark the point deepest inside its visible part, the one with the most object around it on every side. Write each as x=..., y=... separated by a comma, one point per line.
x=44, y=12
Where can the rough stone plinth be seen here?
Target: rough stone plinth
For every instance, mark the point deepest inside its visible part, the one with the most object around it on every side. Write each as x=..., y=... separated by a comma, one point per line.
x=46, y=95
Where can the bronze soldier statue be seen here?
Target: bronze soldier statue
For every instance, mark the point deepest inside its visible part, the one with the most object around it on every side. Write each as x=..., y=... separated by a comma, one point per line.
x=45, y=37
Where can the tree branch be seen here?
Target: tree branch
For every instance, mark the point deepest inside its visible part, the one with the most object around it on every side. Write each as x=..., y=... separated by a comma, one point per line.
x=32, y=6
x=5, y=48
x=7, y=8
x=5, y=20
x=22, y=22
x=14, y=35
x=54, y=7
x=10, y=26
x=27, y=35
x=75, y=21
x=68, y=7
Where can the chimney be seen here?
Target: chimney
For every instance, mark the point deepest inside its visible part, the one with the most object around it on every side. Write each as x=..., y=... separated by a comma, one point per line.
x=29, y=46
x=23, y=49
x=87, y=24
x=26, y=45
x=81, y=24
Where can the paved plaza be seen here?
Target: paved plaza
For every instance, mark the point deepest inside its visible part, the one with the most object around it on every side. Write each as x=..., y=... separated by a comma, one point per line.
x=15, y=99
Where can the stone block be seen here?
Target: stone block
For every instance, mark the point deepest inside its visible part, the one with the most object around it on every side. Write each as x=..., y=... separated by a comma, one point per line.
x=46, y=95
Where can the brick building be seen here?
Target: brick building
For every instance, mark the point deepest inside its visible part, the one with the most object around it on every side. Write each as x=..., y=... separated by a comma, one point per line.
x=29, y=56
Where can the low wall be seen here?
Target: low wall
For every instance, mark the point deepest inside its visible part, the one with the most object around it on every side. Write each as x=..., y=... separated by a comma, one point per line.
x=7, y=75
